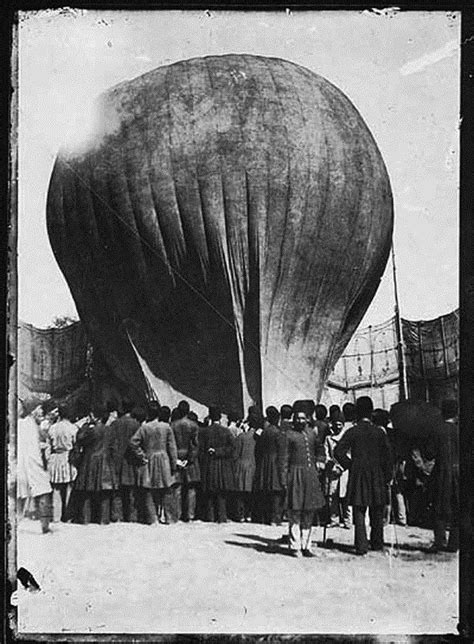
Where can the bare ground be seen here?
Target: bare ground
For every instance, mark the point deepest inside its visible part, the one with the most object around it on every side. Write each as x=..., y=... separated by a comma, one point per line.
x=231, y=578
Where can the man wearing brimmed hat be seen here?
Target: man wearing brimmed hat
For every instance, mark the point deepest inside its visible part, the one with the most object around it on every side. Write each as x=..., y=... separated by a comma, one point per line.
x=370, y=471
x=32, y=477
x=444, y=480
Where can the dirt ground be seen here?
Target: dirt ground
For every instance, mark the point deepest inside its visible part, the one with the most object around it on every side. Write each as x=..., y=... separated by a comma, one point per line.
x=230, y=578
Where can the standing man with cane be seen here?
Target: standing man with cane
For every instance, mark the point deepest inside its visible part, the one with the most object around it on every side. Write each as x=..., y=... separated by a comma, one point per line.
x=300, y=457
x=369, y=474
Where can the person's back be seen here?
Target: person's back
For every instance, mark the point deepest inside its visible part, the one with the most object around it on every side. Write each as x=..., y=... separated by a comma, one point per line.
x=155, y=436
x=444, y=478
x=97, y=437
x=203, y=432
x=62, y=435
x=218, y=477
x=217, y=437
x=85, y=442
x=123, y=429
x=246, y=445
x=155, y=445
x=185, y=432
x=188, y=473
x=369, y=474
x=244, y=461
x=370, y=464
x=270, y=440
x=267, y=477
x=368, y=445
x=102, y=474
x=219, y=469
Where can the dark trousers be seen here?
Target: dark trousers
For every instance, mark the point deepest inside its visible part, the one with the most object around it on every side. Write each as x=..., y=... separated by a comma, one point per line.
x=216, y=507
x=186, y=500
x=129, y=503
x=64, y=490
x=258, y=507
x=243, y=505
x=201, y=503
x=43, y=508
x=273, y=506
x=158, y=505
x=101, y=506
x=79, y=508
x=172, y=504
x=91, y=507
x=376, y=528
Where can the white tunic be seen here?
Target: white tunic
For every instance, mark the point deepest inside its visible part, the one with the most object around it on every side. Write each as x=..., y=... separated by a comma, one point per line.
x=62, y=436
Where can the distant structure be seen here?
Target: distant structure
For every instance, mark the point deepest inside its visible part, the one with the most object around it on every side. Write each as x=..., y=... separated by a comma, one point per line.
x=58, y=362
x=51, y=361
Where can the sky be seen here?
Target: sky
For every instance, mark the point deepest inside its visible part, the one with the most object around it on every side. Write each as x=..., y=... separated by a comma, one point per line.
x=400, y=69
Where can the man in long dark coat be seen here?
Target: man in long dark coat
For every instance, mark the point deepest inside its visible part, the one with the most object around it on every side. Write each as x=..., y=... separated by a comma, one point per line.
x=188, y=474
x=217, y=478
x=369, y=474
x=122, y=431
x=155, y=446
x=267, y=478
x=299, y=455
x=96, y=479
x=444, y=479
x=244, y=473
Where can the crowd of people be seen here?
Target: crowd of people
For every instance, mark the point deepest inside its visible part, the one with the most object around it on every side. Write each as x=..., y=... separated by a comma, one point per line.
x=303, y=464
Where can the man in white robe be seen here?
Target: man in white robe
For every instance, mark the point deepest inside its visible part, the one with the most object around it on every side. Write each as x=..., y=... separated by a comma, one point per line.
x=32, y=476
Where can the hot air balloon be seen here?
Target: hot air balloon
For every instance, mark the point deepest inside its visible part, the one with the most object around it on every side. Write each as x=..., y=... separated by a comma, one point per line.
x=226, y=224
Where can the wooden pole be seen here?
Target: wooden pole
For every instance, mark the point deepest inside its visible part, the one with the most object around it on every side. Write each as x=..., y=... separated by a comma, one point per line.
x=445, y=349
x=422, y=362
x=402, y=370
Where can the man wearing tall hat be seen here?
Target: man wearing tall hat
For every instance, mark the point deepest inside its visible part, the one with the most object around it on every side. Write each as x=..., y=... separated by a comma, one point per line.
x=218, y=474
x=300, y=457
x=369, y=474
x=444, y=479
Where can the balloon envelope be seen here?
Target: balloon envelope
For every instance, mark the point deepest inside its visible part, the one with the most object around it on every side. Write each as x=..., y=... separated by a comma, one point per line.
x=227, y=222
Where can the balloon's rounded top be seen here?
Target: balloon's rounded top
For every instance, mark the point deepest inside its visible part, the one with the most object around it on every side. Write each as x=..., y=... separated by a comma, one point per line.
x=244, y=80
x=227, y=222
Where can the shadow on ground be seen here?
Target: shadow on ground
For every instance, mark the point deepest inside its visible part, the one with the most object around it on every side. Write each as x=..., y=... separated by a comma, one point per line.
x=280, y=546
x=262, y=544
